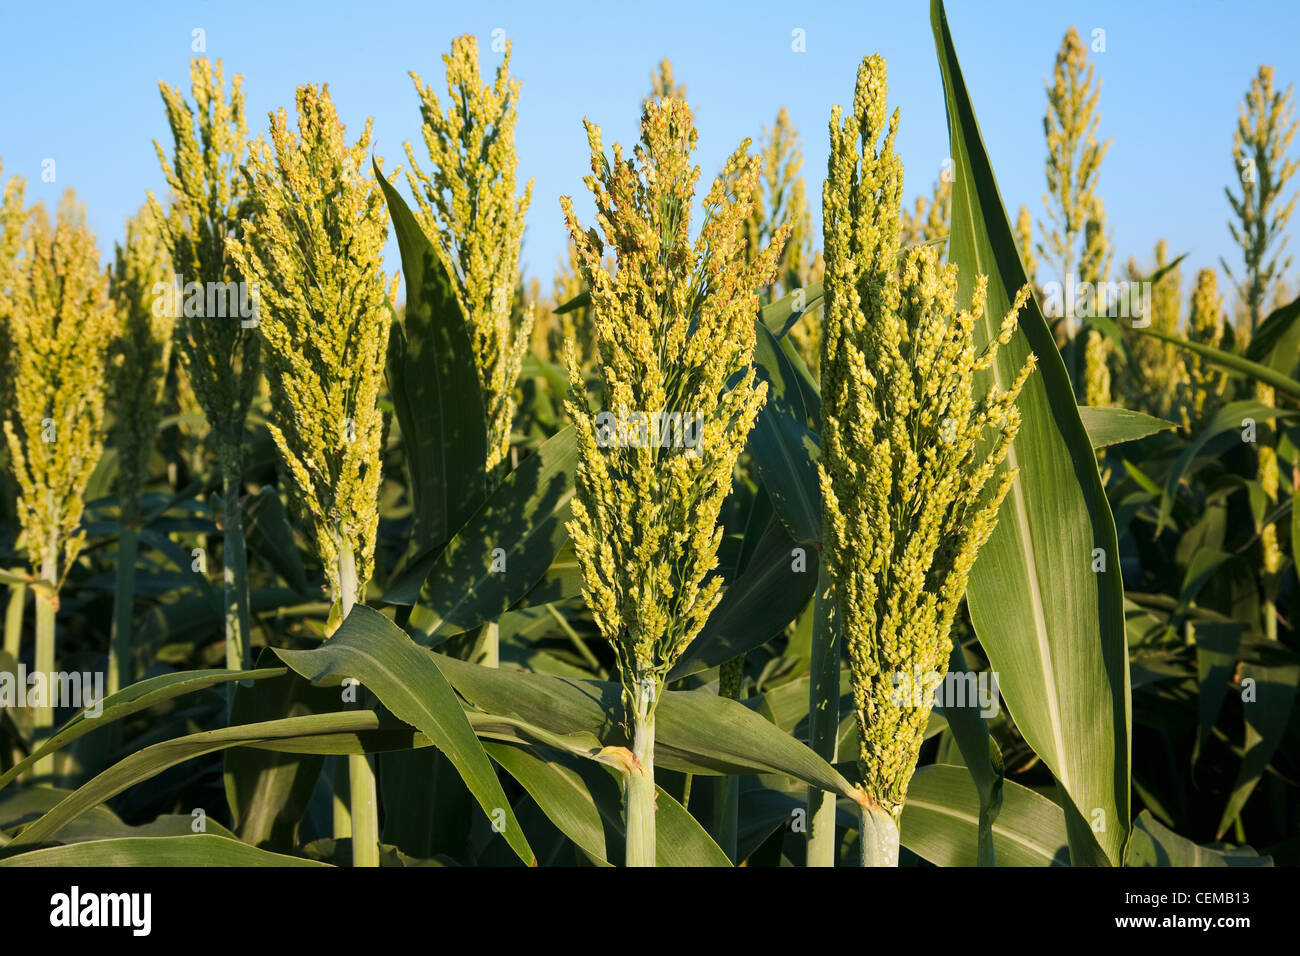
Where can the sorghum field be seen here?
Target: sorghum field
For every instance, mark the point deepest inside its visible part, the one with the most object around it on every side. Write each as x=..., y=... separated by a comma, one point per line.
x=938, y=536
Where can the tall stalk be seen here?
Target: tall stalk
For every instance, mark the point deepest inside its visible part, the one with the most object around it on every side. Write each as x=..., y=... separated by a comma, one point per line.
x=119, y=652
x=639, y=781
x=46, y=609
x=361, y=773
x=677, y=326
x=823, y=721
x=14, y=618
x=235, y=566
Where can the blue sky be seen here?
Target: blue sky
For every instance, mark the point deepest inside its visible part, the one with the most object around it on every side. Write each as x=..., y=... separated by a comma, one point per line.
x=79, y=84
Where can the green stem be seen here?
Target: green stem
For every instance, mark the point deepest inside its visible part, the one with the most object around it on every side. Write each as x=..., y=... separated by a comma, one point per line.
x=726, y=790
x=235, y=574
x=46, y=608
x=361, y=773
x=487, y=646
x=879, y=837
x=823, y=720
x=639, y=784
x=342, y=815
x=119, y=654
x=14, y=619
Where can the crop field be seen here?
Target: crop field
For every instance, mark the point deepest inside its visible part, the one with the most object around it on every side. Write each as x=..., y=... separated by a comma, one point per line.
x=802, y=519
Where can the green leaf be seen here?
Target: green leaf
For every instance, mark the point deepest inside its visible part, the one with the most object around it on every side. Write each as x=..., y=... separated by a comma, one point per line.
x=1053, y=629
x=435, y=387
x=371, y=649
x=779, y=316
x=150, y=761
x=131, y=700
x=197, y=849
x=1276, y=343
x=578, y=796
x=1266, y=717
x=1216, y=654
x=757, y=605
x=785, y=449
x=1230, y=417
x=267, y=530
x=1113, y=426
x=982, y=757
x=941, y=822
x=1153, y=844
x=502, y=552
x=268, y=792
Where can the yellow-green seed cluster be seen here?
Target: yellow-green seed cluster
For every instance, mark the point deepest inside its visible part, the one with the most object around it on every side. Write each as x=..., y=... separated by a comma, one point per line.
x=468, y=205
x=56, y=316
x=207, y=203
x=674, y=326
x=314, y=247
x=910, y=456
x=1205, y=384
x=141, y=352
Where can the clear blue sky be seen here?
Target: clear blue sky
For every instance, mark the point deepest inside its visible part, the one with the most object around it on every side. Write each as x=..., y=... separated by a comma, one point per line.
x=78, y=82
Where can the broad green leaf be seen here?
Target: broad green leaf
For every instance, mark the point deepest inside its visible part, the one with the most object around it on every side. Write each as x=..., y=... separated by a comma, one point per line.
x=695, y=731
x=268, y=532
x=941, y=822
x=578, y=796
x=1052, y=627
x=502, y=552
x=774, y=587
x=781, y=315
x=1267, y=712
x=981, y=755
x=435, y=387
x=1231, y=417
x=197, y=849
x=1216, y=655
x=1276, y=343
x=785, y=449
x=131, y=700
x=148, y=762
x=268, y=792
x=371, y=649
x=1112, y=426
x=1153, y=844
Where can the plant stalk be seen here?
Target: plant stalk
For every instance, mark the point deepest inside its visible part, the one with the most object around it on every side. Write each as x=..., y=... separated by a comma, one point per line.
x=639, y=784
x=879, y=837
x=119, y=654
x=361, y=773
x=823, y=721
x=14, y=619
x=46, y=608
x=235, y=573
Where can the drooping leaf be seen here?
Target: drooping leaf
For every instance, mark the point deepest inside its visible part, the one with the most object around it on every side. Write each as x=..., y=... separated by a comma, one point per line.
x=197, y=849
x=1113, y=426
x=371, y=649
x=1153, y=844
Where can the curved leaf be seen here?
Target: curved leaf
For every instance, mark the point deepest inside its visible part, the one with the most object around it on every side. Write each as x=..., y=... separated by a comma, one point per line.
x=1053, y=629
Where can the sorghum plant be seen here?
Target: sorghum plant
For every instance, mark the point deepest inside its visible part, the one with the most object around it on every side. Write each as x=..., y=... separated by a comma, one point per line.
x=1205, y=384
x=909, y=472
x=1073, y=158
x=467, y=205
x=219, y=349
x=138, y=368
x=1260, y=143
x=314, y=245
x=674, y=328
x=57, y=317
x=1160, y=368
